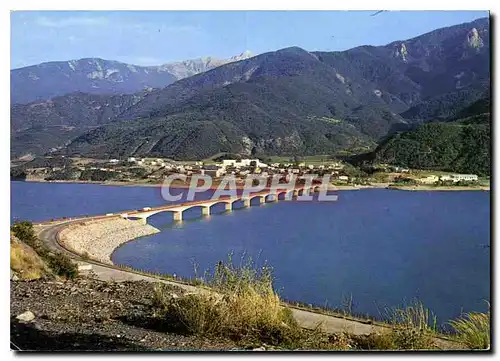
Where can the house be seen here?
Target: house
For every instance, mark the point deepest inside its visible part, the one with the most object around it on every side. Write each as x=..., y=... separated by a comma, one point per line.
x=131, y=159
x=344, y=178
x=243, y=163
x=429, y=179
x=460, y=177
x=114, y=161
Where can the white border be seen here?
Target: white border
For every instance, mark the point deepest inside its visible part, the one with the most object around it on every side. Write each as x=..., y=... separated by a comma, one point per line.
x=8, y=5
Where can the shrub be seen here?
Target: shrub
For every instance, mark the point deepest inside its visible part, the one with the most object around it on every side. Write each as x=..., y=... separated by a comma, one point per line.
x=23, y=230
x=243, y=306
x=473, y=329
x=63, y=266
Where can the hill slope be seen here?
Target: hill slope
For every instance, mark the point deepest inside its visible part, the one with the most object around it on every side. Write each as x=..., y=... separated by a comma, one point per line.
x=43, y=126
x=459, y=145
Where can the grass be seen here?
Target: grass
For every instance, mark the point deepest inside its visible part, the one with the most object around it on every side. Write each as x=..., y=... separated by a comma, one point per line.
x=243, y=307
x=473, y=329
x=413, y=327
x=58, y=263
x=239, y=303
x=25, y=262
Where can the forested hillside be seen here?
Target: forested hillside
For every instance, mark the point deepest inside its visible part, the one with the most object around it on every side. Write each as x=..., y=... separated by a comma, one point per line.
x=459, y=145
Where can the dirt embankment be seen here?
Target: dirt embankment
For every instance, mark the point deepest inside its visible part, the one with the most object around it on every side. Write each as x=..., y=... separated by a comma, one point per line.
x=88, y=314
x=99, y=238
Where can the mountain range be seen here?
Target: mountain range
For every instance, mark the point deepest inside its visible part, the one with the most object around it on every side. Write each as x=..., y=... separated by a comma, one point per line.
x=99, y=76
x=286, y=102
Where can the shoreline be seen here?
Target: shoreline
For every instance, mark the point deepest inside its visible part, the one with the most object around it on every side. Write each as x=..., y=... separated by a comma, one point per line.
x=440, y=188
x=182, y=185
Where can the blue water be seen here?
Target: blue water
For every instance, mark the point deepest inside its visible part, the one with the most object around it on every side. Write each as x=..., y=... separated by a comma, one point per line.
x=383, y=247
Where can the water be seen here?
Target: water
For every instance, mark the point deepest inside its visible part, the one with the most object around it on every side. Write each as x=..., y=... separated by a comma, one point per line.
x=382, y=247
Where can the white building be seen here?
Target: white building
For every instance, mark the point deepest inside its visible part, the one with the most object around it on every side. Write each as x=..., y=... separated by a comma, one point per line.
x=131, y=159
x=460, y=177
x=344, y=178
x=243, y=163
x=114, y=161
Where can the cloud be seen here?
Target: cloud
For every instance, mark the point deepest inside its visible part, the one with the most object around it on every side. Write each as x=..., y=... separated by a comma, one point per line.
x=70, y=21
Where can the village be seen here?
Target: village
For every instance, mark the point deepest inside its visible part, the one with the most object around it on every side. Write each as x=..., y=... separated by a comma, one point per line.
x=154, y=170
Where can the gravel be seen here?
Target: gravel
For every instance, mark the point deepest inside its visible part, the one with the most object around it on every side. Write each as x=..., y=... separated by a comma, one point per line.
x=88, y=314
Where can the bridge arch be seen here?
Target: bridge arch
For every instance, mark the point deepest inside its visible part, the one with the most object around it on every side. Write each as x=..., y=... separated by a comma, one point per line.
x=271, y=197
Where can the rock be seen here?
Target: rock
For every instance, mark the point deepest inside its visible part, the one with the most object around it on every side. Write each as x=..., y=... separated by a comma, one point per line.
x=26, y=316
x=262, y=348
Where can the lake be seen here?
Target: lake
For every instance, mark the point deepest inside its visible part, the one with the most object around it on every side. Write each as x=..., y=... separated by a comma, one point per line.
x=382, y=248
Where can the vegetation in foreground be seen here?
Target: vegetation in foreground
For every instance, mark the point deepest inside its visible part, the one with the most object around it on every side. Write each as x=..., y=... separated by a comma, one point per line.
x=473, y=329
x=25, y=262
x=36, y=260
x=246, y=309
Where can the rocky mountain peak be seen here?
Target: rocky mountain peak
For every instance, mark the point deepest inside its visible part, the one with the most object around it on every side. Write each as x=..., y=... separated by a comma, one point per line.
x=245, y=55
x=474, y=40
x=401, y=52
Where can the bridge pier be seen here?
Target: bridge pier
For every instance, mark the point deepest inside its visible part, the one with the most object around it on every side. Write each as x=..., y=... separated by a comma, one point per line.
x=246, y=202
x=229, y=207
x=262, y=200
x=205, y=211
x=178, y=216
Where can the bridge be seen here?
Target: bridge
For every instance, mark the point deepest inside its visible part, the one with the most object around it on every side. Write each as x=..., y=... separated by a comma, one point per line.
x=206, y=205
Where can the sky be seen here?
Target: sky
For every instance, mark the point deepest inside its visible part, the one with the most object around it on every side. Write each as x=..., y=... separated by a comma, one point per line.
x=158, y=37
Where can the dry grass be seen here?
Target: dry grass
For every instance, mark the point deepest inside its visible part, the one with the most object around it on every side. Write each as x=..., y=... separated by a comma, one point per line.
x=243, y=307
x=23, y=234
x=473, y=329
x=413, y=328
x=25, y=262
